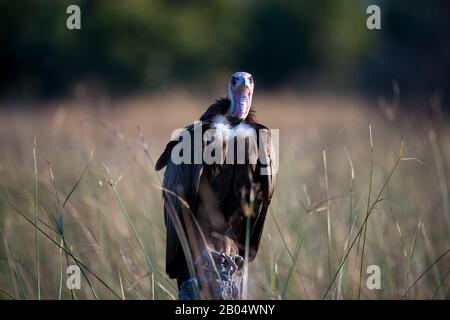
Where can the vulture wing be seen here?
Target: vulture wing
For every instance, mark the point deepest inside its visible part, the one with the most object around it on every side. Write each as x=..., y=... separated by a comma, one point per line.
x=180, y=184
x=265, y=188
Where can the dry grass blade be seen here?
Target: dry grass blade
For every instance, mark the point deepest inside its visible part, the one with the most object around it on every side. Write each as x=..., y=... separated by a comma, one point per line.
x=282, y=237
x=60, y=221
x=65, y=249
x=274, y=283
x=121, y=285
x=441, y=284
x=75, y=186
x=35, y=211
x=6, y=294
x=325, y=168
x=425, y=272
x=128, y=219
x=298, y=247
x=13, y=268
x=352, y=182
x=368, y=207
x=362, y=227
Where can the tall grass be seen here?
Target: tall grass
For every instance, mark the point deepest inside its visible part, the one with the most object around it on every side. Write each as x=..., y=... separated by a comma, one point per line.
x=367, y=211
x=336, y=209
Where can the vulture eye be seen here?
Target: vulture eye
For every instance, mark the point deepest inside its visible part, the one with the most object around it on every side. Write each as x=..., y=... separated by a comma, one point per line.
x=250, y=79
x=233, y=81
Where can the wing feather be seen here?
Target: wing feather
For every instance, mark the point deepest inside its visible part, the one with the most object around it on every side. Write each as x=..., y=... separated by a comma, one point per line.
x=266, y=181
x=181, y=182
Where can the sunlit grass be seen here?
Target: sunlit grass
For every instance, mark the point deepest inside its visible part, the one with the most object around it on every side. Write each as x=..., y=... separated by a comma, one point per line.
x=345, y=198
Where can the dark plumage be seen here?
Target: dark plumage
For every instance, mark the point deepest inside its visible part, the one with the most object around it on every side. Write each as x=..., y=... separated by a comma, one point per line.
x=217, y=196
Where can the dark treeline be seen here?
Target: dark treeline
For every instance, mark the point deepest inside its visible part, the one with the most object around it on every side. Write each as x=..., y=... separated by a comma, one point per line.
x=134, y=45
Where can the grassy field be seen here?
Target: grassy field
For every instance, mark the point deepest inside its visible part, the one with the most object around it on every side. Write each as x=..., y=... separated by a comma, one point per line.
x=79, y=169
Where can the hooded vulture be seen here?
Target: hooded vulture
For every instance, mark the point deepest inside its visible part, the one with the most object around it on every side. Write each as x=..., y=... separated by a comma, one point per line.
x=218, y=207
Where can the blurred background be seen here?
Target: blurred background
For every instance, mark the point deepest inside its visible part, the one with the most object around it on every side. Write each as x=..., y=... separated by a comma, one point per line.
x=364, y=130
x=135, y=46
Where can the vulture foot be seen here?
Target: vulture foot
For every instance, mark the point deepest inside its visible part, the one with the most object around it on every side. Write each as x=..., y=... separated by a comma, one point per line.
x=221, y=280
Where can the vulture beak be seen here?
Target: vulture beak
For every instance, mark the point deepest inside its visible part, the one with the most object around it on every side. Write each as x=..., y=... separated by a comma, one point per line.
x=243, y=86
x=240, y=94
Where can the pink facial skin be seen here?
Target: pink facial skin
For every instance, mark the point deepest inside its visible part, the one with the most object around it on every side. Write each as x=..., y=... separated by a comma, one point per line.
x=242, y=102
x=240, y=90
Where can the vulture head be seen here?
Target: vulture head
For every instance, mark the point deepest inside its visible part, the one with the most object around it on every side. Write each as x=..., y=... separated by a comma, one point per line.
x=240, y=92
